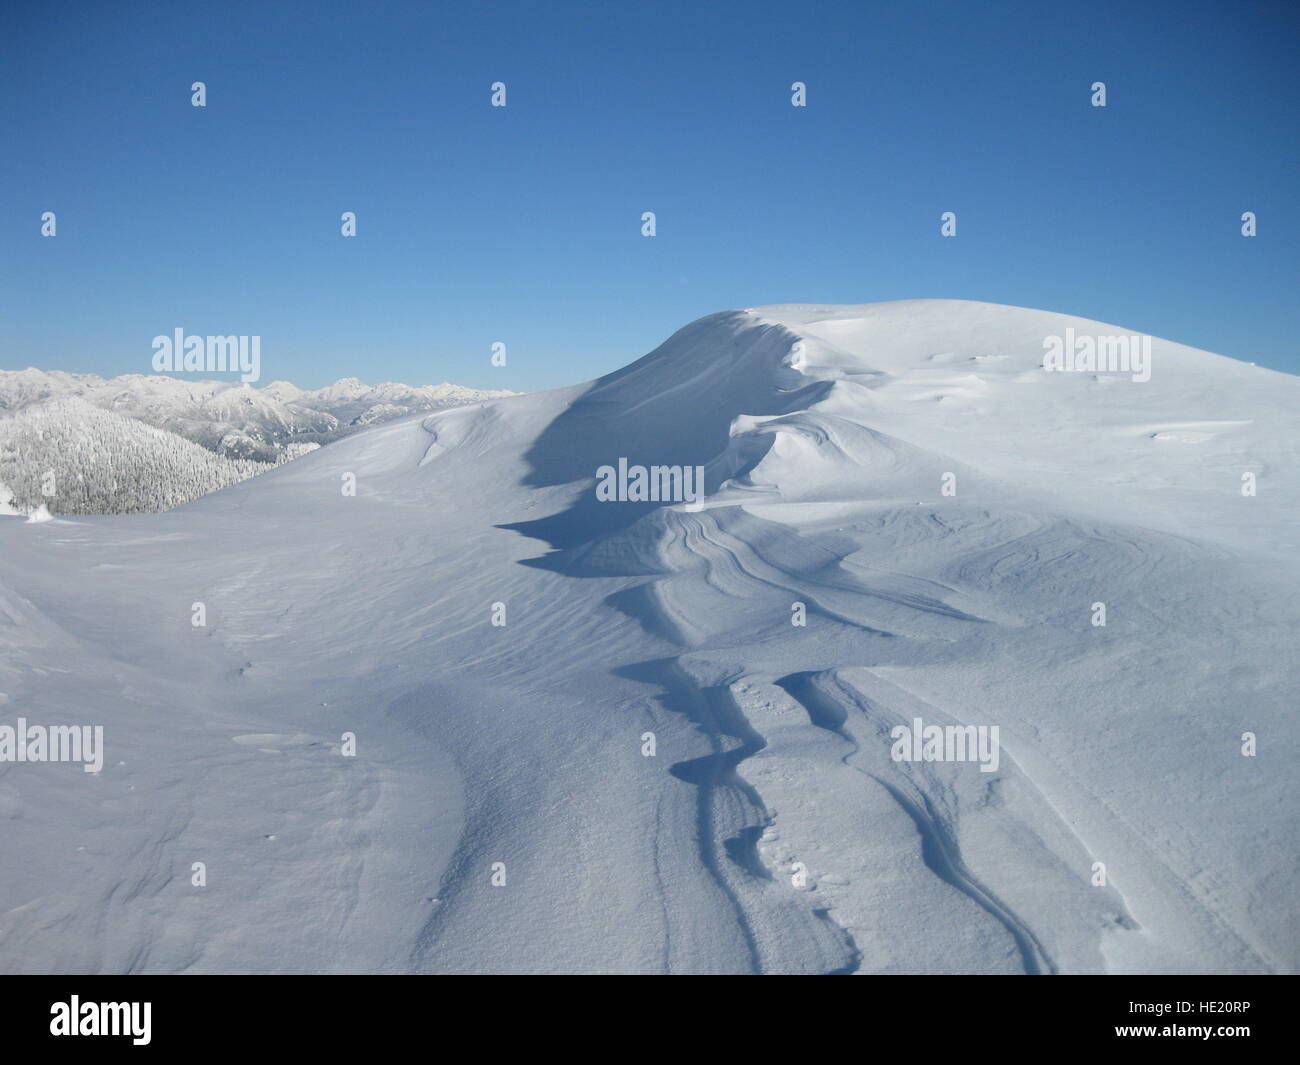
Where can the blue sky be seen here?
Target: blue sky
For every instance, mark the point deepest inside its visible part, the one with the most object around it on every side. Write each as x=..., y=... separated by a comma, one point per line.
x=522, y=224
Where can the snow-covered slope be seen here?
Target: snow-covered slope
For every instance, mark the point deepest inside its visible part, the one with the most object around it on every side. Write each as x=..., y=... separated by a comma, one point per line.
x=668, y=772
x=239, y=421
x=74, y=458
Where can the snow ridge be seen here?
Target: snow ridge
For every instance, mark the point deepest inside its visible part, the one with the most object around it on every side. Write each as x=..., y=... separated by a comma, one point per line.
x=635, y=737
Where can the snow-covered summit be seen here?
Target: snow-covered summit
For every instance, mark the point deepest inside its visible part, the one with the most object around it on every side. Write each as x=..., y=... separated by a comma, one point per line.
x=644, y=736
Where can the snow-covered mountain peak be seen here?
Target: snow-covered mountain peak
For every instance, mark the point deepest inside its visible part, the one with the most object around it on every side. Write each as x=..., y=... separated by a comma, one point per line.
x=907, y=520
x=1142, y=425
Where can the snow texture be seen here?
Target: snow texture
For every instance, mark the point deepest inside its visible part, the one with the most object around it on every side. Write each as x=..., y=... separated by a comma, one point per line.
x=771, y=829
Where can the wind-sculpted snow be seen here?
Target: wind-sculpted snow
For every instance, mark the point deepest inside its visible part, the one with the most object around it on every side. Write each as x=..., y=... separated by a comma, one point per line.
x=677, y=749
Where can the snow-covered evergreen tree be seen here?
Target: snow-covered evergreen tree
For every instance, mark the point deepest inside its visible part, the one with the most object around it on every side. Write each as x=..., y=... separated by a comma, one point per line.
x=74, y=458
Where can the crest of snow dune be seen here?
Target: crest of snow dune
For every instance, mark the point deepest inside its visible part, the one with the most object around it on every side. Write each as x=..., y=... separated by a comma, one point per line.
x=910, y=528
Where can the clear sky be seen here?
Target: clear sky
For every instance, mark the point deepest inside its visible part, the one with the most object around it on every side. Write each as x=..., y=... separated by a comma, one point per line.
x=522, y=224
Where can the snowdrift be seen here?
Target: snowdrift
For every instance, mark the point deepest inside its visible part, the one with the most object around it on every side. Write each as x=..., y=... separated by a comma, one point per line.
x=640, y=736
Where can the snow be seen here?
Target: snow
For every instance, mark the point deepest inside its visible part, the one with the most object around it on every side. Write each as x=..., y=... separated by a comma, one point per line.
x=233, y=418
x=771, y=830
x=76, y=458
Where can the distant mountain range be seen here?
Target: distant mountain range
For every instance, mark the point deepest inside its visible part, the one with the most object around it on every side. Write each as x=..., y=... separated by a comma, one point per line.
x=235, y=420
x=71, y=457
x=82, y=444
